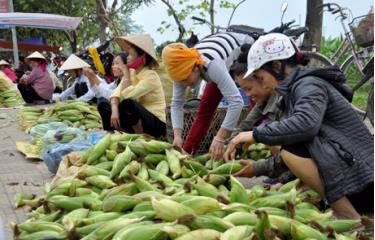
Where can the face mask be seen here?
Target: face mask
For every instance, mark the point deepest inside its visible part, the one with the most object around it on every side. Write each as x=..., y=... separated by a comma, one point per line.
x=138, y=62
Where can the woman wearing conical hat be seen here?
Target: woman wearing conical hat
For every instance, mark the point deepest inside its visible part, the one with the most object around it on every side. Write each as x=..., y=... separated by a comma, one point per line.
x=138, y=103
x=37, y=85
x=5, y=67
x=81, y=85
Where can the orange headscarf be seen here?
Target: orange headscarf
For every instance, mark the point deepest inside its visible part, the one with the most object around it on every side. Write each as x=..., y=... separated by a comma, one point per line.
x=179, y=60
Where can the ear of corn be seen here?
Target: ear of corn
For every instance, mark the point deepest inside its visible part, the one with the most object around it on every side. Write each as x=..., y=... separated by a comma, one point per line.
x=86, y=230
x=100, y=181
x=149, y=232
x=89, y=171
x=237, y=233
x=72, y=203
x=170, y=210
x=137, y=147
x=109, y=229
x=202, y=205
x=174, y=163
x=143, y=206
x=20, y=197
x=31, y=227
x=228, y=168
x=131, y=169
x=141, y=184
x=163, y=168
x=175, y=230
x=160, y=177
x=154, y=158
x=301, y=232
x=143, y=173
x=237, y=192
x=99, y=149
x=101, y=218
x=119, y=203
x=125, y=189
x=242, y=218
x=74, y=218
x=207, y=234
x=340, y=226
x=206, y=222
x=106, y=166
x=215, y=179
x=44, y=235
x=196, y=167
x=154, y=146
x=120, y=161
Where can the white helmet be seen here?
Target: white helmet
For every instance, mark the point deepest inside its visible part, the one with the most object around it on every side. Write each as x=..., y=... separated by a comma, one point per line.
x=270, y=47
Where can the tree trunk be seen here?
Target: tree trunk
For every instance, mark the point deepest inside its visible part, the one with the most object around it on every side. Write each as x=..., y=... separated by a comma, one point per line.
x=72, y=38
x=212, y=15
x=101, y=18
x=314, y=21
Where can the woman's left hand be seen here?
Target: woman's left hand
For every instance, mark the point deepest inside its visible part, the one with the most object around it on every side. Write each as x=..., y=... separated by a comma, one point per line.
x=216, y=150
x=243, y=137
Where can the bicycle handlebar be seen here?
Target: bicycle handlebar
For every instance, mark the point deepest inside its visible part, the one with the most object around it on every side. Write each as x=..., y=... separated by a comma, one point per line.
x=334, y=8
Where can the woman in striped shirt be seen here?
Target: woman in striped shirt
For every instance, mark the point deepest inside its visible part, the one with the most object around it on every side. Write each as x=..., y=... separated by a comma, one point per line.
x=209, y=60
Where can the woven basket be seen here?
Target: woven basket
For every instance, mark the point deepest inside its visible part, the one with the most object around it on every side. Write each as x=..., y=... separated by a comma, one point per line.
x=189, y=116
x=363, y=30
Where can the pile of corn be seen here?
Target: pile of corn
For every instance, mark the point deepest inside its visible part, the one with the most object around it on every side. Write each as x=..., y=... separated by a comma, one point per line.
x=29, y=117
x=76, y=114
x=127, y=187
x=9, y=94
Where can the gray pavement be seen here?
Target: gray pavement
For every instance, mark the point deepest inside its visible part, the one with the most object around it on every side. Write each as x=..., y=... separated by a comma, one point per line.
x=17, y=174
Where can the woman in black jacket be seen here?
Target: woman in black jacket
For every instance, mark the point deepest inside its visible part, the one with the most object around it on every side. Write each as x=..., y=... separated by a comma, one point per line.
x=324, y=142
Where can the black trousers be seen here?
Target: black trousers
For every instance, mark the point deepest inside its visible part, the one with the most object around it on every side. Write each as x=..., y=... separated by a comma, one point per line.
x=131, y=112
x=28, y=93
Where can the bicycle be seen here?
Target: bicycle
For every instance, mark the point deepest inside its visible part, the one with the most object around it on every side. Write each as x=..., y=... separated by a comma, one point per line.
x=358, y=66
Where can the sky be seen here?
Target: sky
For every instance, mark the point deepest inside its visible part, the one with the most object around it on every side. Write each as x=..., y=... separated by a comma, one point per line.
x=264, y=14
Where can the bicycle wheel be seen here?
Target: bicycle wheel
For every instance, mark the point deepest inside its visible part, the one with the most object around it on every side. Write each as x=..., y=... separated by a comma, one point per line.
x=354, y=75
x=318, y=60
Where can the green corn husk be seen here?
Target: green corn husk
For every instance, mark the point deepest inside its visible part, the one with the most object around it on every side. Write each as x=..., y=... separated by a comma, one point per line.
x=20, y=197
x=301, y=232
x=155, y=146
x=104, y=217
x=121, y=161
x=242, y=218
x=215, y=179
x=125, y=189
x=142, y=185
x=88, y=171
x=237, y=192
x=131, y=169
x=106, y=166
x=149, y=232
x=341, y=225
x=74, y=218
x=160, y=177
x=110, y=154
x=305, y=215
x=206, y=234
x=72, y=203
x=119, y=203
x=228, y=168
x=31, y=227
x=44, y=235
x=169, y=210
x=196, y=167
x=154, y=158
x=175, y=230
x=163, y=168
x=174, y=163
x=99, y=149
x=205, y=222
x=202, y=159
x=237, y=233
x=202, y=205
x=143, y=172
x=289, y=186
x=143, y=206
x=110, y=229
x=86, y=230
x=101, y=181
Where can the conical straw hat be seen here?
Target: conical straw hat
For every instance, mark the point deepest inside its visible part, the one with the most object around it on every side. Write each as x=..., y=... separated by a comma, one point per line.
x=36, y=54
x=74, y=62
x=143, y=41
x=3, y=62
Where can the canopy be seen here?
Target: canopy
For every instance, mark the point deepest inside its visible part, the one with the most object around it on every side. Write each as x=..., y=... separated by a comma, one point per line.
x=38, y=20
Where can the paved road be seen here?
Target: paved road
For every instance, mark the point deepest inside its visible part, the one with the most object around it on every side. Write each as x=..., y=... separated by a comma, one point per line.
x=16, y=173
